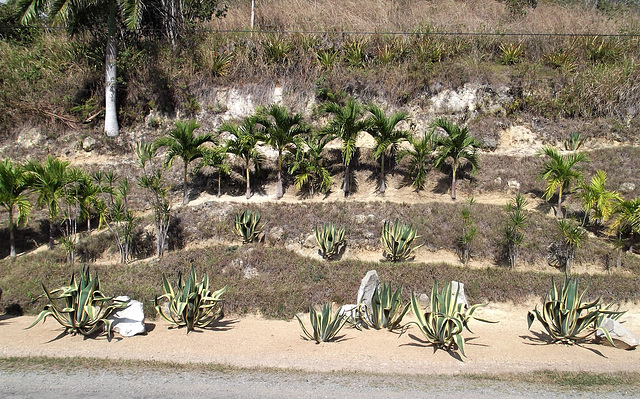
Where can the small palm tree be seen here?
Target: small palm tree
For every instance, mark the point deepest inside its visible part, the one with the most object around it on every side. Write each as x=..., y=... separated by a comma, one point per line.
x=595, y=197
x=308, y=166
x=626, y=219
x=49, y=180
x=216, y=158
x=347, y=122
x=420, y=156
x=383, y=130
x=182, y=143
x=13, y=187
x=559, y=172
x=281, y=130
x=243, y=145
x=457, y=148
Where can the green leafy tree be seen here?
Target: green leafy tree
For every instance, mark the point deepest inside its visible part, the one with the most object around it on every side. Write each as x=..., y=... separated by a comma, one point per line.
x=114, y=211
x=570, y=237
x=243, y=142
x=49, y=180
x=469, y=231
x=625, y=219
x=560, y=172
x=420, y=157
x=515, y=228
x=13, y=189
x=384, y=131
x=309, y=165
x=597, y=199
x=457, y=149
x=182, y=143
x=346, y=124
x=281, y=130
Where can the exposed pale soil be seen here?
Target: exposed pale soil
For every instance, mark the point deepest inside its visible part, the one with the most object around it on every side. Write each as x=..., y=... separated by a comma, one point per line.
x=252, y=341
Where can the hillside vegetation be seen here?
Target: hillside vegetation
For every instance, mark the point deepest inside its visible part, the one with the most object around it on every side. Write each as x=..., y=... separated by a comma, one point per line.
x=536, y=75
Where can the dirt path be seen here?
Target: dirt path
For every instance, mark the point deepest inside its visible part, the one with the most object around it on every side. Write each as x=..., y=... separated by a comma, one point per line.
x=506, y=347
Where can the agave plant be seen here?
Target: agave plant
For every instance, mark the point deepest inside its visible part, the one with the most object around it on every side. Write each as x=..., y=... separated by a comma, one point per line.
x=192, y=304
x=325, y=325
x=444, y=323
x=330, y=240
x=80, y=307
x=568, y=319
x=387, y=309
x=397, y=239
x=246, y=225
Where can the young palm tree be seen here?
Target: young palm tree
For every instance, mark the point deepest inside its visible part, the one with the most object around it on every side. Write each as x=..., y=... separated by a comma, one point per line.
x=457, y=148
x=626, y=217
x=383, y=130
x=182, y=143
x=49, y=180
x=347, y=122
x=243, y=145
x=308, y=166
x=560, y=173
x=420, y=156
x=280, y=132
x=216, y=158
x=13, y=187
x=595, y=197
x=67, y=13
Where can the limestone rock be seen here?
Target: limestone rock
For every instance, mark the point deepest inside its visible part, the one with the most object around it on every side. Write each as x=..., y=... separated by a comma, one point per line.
x=360, y=219
x=513, y=184
x=462, y=298
x=310, y=241
x=368, y=286
x=88, y=143
x=618, y=332
x=250, y=272
x=130, y=320
x=627, y=187
x=351, y=311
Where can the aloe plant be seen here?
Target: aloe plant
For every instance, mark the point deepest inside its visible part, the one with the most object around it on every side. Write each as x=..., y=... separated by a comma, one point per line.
x=246, y=225
x=568, y=319
x=330, y=240
x=325, y=325
x=192, y=304
x=397, y=239
x=80, y=307
x=444, y=323
x=386, y=310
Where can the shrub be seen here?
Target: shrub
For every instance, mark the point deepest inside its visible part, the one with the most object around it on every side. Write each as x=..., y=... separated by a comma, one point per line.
x=80, y=307
x=443, y=324
x=511, y=53
x=330, y=240
x=397, y=240
x=192, y=304
x=324, y=325
x=566, y=318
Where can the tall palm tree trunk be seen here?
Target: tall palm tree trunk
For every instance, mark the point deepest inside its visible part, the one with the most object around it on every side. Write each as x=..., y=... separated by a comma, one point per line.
x=185, y=186
x=279, y=188
x=383, y=186
x=12, y=240
x=347, y=180
x=51, y=242
x=248, y=193
x=219, y=184
x=453, y=184
x=559, y=213
x=110, y=114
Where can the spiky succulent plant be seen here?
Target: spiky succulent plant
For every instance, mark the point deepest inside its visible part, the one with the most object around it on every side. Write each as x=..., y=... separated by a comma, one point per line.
x=325, y=325
x=246, y=225
x=397, y=240
x=330, y=240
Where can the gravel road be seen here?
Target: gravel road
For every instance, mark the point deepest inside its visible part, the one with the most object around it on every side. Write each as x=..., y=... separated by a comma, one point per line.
x=266, y=384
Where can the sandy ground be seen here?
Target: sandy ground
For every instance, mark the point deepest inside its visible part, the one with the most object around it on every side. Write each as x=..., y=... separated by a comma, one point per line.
x=252, y=341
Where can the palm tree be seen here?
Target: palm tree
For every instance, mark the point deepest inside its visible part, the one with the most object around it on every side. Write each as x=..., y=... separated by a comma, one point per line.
x=49, y=180
x=560, y=173
x=216, y=158
x=308, y=166
x=626, y=217
x=182, y=143
x=420, y=155
x=13, y=187
x=595, y=197
x=387, y=137
x=457, y=148
x=243, y=145
x=280, y=132
x=68, y=13
x=347, y=122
